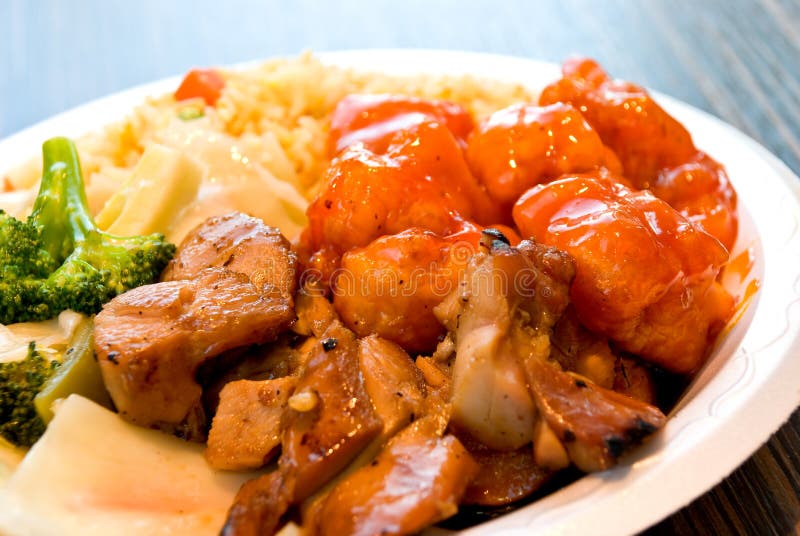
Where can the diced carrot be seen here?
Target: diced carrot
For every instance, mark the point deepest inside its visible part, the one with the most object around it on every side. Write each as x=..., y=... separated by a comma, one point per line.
x=201, y=83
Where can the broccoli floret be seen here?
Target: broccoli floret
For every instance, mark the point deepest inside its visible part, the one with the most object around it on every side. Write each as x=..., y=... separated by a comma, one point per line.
x=20, y=251
x=20, y=381
x=58, y=259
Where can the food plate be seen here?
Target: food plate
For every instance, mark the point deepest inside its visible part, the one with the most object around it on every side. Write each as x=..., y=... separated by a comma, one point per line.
x=742, y=396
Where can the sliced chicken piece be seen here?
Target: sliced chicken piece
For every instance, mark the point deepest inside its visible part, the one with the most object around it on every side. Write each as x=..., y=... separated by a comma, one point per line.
x=258, y=506
x=330, y=420
x=398, y=393
x=149, y=341
x=505, y=386
x=439, y=386
x=331, y=417
x=595, y=425
x=230, y=285
x=284, y=357
x=246, y=432
x=314, y=312
x=241, y=244
x=506, y=306
x=503, y=476
x=418, y=479
x=395, y=386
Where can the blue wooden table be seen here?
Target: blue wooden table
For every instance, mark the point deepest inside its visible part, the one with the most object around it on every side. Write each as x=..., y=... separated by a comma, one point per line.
x=739, y=60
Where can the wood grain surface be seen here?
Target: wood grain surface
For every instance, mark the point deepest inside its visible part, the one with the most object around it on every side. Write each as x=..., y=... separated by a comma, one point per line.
x=739, y=60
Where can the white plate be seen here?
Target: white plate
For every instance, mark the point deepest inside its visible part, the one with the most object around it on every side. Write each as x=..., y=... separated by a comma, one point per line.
x=749, y=387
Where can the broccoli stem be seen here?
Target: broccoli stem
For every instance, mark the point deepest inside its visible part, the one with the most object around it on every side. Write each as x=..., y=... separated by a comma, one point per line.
x=79, y=373
x=61, y=209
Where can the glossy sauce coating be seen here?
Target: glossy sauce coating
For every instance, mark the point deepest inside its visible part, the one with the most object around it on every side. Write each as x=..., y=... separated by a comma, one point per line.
x=645, y=276
x=421, y=181
x=655, y=150
x=523, y=145
x=645, y=137
x=374, y=119
x=386, y=228
x=391, y=286
x=699, y=189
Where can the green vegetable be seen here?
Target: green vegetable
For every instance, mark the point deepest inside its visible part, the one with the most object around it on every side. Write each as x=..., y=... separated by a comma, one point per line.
x=58, y=259
x=20, y=381
x=79, y=373
x=190, y=112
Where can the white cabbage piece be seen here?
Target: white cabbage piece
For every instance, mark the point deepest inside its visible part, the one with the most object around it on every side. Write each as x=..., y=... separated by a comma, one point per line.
x=234, y=179
x=161, y=187
x=93, y=473
x=51, y=336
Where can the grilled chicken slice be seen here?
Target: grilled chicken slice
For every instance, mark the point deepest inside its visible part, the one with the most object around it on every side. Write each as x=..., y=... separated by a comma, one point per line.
x=503, y=477
x=395, y=385
x=241, y=244
x=341, y=429
x=258, y=506
x=314, y=312
x=418, y=479
x=245, y=432
x=503, y=312
x=230, y=285
x=286, y=356
x=149, y=341
x=331, y=417
x=397, y=390
x=595, y=425
x=330, y=420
